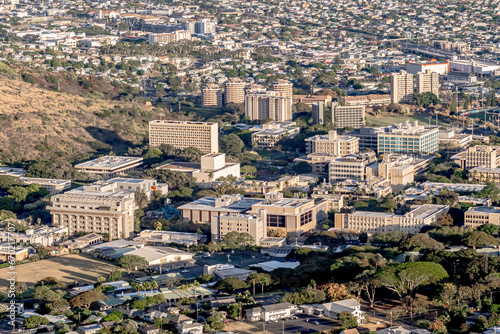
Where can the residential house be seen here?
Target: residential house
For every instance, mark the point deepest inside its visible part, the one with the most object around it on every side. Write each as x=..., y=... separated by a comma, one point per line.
x=89, y=329
x=352, y=306
x=151, y=329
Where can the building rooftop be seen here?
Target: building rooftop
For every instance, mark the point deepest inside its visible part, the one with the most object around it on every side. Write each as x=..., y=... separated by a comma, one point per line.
x=109, y=162
x=484, y=209
x=180, y=122
x=234, y=205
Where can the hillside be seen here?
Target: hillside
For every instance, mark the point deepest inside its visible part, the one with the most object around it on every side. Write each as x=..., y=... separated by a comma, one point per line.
x=37, y=123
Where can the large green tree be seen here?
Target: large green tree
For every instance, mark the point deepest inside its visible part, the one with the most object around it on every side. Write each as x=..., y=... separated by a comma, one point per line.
x=130, y=262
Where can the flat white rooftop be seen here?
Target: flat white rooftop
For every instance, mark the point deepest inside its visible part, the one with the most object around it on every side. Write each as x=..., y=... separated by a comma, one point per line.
x=110, y=162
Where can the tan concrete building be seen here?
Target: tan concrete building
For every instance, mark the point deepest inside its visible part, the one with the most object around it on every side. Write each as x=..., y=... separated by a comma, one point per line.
x=478, y=156
x=401, y=87
x=427, y=82
x=110, y=166
x=484, y=174
x=211, y=96
x=283, y=86
x=480, y=215
x=268, y=105
x=54, y=186
x=348, y=116
x=366, y=100
x=332, y=144
x=318, y=113
x=183, y=134
x=171, y=37
x=381, y=222
x=351, y=167
x=85, y=211
x=462, y=140
x=255, y=225
x=272, y=133
x=207, y=209
x=235, y=91
x=295, y=216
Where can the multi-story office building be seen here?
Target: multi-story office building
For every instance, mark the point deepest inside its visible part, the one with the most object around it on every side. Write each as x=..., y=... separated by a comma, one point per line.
x=183, y=134
x=255, y=225
x=104, y=207
x=348, y=116
x=409, y=138
x=109, y=213
x=211, y=96
x=272, y=133
x=478, y=156
x=351, y=167
x=427, y=82
x=207, y=209
x=268, y=105
x=480, y=215
x=368, y=137
x=332, y=144
x=380, y=222
x=484, y=174
x=110, y=166
x=318, y=112
x=401, y=87
x=295, y=216
x=171, y=37
x=366, y=100
x=459, y=140
x=235, y=91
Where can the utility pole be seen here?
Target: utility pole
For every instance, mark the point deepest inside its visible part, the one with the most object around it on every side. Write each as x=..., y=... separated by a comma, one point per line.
x=283, y=327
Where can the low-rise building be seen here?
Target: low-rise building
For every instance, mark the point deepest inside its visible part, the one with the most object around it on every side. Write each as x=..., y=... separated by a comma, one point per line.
x=45, y=236
x=54, y=186
x=110, y=166
x=480, y=215
x=455, y=139
x=271, y=312
x=270, y=133
x=212, y=167
x=381, y=222
x=164, y=257
x=163, y=238
x=408, y=138
x=484, y=174
x=352, y=306
x=9, y=253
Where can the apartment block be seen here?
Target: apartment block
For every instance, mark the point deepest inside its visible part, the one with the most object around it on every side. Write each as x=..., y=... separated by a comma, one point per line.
x=183, y=134
x=478, y=156
x=211, y=96
x=366, y=100
x=283, y=86
x=318, y=113
x=255, y=225
x=381, y=222
x=427, y=82
x=271, y=133
x=348, y=116
x=268, y=105
x=110, y=166
x=332, y=144
x=480, y=215
x=235, y=91
x=169, y=37
x=295, y=216
x=408, y=138
x=401, y=87
x=351, y=167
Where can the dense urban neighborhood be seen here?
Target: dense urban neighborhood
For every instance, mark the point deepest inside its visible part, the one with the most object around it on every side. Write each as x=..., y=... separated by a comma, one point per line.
x=187, y=166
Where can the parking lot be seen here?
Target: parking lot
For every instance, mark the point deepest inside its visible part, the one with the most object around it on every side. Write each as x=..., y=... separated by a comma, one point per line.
x=303, y=324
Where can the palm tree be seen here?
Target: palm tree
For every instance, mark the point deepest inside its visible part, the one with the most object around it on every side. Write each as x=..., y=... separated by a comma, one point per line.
x=195, y=285
x=182, y=288
x=253, y=277
x=263, y=281
x=137, y=287
x=146, y=285
x=153, y=285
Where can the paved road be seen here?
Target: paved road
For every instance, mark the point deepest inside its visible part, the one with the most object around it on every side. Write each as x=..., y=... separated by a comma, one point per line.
x=305, y=324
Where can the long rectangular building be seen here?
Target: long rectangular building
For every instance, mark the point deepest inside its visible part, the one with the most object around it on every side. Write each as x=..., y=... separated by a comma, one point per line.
x=381, y=222
x=183, y=134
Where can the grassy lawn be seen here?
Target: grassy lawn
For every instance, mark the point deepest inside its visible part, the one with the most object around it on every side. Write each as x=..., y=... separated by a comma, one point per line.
x=68, y=269
x=389, y=120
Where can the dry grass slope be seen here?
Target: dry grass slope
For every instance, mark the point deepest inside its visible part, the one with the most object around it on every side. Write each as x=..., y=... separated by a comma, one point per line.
x=42, y=124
